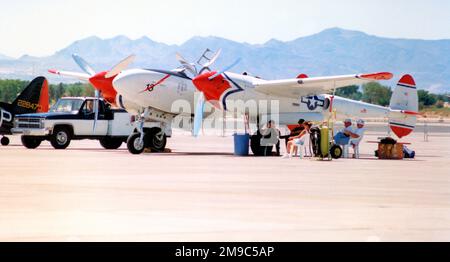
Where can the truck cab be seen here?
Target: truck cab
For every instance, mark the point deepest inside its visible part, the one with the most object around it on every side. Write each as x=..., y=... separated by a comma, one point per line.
x=73, y=118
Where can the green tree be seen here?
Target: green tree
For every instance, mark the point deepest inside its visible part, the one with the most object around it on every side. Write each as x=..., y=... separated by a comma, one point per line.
x=351, y=92
x=10, y=89
x=426, y=99
x=376, y=93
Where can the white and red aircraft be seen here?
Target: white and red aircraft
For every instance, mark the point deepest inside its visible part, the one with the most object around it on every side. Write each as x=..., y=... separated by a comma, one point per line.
x=155, y=92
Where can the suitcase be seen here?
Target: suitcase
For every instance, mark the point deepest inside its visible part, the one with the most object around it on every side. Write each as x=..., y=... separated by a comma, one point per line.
x=390, y=151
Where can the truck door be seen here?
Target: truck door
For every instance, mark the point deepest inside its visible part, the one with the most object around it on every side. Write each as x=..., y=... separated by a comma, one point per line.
x=87, y=115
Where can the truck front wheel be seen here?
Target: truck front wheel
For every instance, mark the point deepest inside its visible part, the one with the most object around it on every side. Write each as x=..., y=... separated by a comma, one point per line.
x=111, y=142
x=31, y=142
x=135, y=146
x=61, y=138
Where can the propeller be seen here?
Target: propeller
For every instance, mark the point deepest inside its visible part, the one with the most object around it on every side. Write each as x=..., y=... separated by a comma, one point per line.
x=122, y=65
x=88, y=69
x=200, y=106
x=98, y=80
x=198, y=117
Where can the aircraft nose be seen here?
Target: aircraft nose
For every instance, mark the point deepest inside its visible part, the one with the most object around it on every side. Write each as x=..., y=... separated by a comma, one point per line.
x=123, y=82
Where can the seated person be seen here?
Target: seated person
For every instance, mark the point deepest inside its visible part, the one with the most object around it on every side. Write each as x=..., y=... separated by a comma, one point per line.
x=296, y=131
x=343, y=137
x=296, y=141
x=270, y=137
x=358, y=133
x=89, y=109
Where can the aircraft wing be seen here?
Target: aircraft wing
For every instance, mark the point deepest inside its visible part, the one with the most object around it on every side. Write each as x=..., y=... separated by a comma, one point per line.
x=80, y=76
x=295, y=88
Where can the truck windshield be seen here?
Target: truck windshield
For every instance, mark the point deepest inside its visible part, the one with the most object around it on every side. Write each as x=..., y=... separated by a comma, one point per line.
x=67, y=106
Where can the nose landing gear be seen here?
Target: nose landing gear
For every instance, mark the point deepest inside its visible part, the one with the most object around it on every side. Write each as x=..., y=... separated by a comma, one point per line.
x=153, y=138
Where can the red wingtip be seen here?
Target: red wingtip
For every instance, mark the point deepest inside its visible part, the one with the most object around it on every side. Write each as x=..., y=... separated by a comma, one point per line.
x=407, y=80
x=302, y=76
x=378, y=76
x=53, y=71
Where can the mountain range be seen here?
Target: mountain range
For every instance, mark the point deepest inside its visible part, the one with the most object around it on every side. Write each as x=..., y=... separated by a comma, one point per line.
x=331, y=52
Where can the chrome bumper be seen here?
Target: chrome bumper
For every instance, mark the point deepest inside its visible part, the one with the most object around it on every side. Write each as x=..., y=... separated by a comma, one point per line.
x=31, y=131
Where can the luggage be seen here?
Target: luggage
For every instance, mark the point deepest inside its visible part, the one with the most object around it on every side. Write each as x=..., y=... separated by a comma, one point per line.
x=389, y=149
x=408, y=153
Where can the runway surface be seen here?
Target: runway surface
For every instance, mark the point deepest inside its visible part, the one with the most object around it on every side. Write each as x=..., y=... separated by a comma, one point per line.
x=201, y=192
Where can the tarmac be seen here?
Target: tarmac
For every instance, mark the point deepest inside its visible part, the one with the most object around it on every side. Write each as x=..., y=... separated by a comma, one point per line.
x=202, y=192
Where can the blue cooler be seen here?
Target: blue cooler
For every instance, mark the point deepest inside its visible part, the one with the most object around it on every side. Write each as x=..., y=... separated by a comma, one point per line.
x=241, y=144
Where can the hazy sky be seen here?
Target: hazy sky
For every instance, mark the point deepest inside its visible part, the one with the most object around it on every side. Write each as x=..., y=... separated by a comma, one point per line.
x=41, y=27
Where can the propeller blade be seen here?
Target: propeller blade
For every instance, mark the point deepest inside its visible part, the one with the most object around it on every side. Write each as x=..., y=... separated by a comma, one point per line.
x=83, y=64
x=188, y=66
x=225, y=69
x=213, y=60
x=120, y=66
x=198, y=117
x=97, y=97
x=79, y=76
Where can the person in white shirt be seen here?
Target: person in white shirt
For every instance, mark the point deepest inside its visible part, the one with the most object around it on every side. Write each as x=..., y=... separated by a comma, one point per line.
x=357, y=134
x=343, y=138
x=296, y=141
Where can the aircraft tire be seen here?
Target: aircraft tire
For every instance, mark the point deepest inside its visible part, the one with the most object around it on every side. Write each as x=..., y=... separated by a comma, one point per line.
x=111, y=143
x=133, y=144
x=155, y=143
x=31, y=142
x=5, y=141
x=60, y=138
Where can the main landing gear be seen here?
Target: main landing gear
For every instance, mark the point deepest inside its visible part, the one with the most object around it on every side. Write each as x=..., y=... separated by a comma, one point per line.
x=5, y=141
x=153, y=138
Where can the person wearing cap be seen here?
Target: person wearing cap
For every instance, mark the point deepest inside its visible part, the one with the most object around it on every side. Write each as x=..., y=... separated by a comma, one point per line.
x=343, y=137
x=358, y=133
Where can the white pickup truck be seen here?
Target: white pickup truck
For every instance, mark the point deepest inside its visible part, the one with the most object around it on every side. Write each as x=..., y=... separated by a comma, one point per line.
x=73, y=118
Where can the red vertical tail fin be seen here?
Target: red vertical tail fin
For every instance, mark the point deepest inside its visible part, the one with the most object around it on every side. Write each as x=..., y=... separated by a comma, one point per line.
x=44, y=98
